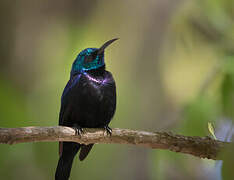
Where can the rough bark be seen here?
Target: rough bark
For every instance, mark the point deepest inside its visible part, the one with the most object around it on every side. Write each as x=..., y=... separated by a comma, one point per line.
x=203, y=147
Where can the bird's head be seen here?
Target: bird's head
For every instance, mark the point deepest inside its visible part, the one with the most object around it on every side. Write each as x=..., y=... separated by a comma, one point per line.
x=90, y=58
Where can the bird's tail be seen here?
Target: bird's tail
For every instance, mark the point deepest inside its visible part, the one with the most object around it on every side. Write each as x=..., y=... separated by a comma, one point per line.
x=85, y=149
x=67, y=154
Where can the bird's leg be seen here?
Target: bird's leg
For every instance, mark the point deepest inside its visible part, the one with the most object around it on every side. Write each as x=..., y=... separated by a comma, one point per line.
x=79, y=130
x=108, y=130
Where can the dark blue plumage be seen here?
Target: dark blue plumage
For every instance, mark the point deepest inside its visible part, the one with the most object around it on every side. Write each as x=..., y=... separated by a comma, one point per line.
x=88, y=101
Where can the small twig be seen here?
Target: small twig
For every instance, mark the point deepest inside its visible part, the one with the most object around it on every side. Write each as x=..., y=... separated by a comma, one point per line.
x=203, y=147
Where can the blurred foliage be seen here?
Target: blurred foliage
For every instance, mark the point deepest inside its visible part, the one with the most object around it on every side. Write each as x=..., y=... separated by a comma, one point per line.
x=227, y=88
x=202, y=109
x=228, y=157
x=174, y=68
x=13, y=106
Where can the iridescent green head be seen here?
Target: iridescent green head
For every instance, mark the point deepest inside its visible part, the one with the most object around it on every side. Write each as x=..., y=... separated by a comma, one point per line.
x=90, y=58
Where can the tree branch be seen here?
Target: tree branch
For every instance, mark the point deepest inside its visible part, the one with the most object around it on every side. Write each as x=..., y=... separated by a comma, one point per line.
x=203, y=147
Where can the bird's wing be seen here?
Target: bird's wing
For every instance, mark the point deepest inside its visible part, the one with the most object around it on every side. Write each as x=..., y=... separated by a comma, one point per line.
x=65, y=97
x=64, y=104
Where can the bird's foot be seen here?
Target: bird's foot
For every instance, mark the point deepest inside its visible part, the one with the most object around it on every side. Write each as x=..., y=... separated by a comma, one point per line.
x=79, y=130
x=108, y=130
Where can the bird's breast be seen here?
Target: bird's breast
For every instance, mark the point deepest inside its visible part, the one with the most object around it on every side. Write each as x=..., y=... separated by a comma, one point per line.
x=93, y=88
x=94, y=101
x=98, y=80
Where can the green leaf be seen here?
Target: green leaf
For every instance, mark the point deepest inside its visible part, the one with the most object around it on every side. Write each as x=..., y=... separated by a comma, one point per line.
x=211, y=130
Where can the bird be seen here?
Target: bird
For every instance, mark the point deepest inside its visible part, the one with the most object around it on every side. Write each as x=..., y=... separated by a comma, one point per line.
x=88, y=101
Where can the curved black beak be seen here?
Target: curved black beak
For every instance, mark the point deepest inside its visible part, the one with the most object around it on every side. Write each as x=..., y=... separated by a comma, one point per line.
x=105, y=45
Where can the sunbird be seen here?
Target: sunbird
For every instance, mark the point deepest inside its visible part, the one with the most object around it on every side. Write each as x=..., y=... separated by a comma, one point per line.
x=88, y=101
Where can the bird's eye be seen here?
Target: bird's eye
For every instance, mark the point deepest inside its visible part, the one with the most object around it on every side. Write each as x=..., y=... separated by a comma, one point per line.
x=94, y=54
x=88, y=59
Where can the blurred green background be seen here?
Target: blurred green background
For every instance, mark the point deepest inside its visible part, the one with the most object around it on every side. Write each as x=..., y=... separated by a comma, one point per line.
x=173, y=65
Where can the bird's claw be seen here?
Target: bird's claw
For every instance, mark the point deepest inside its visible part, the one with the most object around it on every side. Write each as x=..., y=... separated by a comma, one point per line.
x=108, y=130
x=78, y=130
